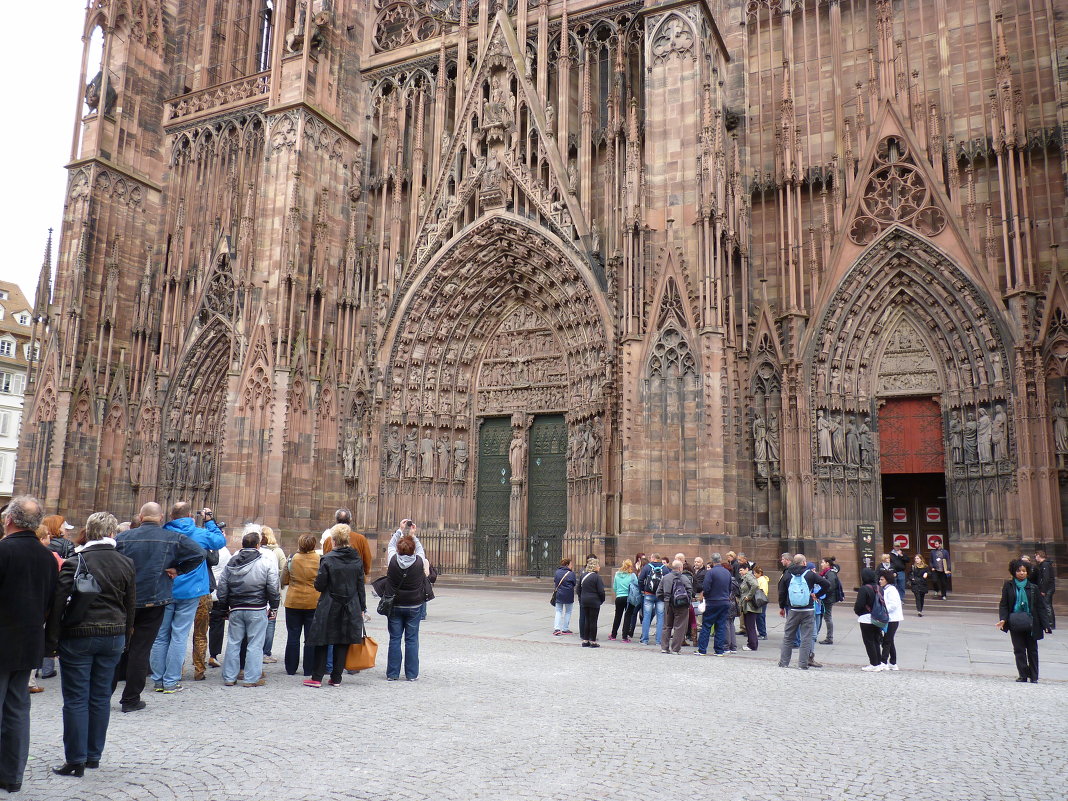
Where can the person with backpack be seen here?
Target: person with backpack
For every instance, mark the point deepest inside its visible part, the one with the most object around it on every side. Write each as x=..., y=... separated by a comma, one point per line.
x=591, y=596
x=872, y=616
x=829, y=570
x=564, y=581
x=676, y=594
x=628, y=599
x=649, y=581
x=749, y=605
x=797, y=596
x=895, y=614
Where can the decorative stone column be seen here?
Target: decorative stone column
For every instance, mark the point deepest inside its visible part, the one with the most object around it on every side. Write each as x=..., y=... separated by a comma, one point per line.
x=517, y=460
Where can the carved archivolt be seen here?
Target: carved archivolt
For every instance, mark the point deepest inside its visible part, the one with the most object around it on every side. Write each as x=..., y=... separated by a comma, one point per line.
x=503, y=322
x=907, y=321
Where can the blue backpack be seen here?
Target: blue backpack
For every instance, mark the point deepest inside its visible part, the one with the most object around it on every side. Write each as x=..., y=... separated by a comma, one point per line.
x=634, y=593
x=880, y=615
x=798, y=592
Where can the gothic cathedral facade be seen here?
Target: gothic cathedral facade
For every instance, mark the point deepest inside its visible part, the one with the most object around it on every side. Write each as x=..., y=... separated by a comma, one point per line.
x=646, y=274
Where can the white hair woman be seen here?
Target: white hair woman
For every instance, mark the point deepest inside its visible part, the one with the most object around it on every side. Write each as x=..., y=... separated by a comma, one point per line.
x=89, y=632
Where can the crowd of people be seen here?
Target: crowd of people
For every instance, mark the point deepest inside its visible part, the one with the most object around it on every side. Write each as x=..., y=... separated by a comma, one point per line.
x=730, y=596
x=116, y=603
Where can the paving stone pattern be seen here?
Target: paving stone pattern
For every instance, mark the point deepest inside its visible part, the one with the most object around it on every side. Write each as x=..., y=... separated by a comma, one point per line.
x=504, y=710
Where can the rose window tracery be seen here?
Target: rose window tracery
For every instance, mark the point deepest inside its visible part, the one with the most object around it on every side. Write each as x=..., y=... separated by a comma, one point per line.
x=895, y=192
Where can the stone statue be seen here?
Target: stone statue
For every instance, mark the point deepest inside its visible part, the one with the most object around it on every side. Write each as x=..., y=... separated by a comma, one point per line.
x=92, y=94
x=971, y=448
x=356, y=177
x=1060, y=429
x=760, y=445
x=348, y=458
x=835, y=384
x=984, y=430
x=825, y=436
x=517, y=454
x=443, y=457
x=773, y=441
x=393, y=453
x=411, y=454
x=459, y=460
x=550, y=119
x=427, y=451
x=194, y=469
x=956, y=440
x=183, y=467
x=864, y=435
x=852, y=442
x=572, y=177
x=999, y=434
x=996, y=367
x=207, y=470
x=838, y=439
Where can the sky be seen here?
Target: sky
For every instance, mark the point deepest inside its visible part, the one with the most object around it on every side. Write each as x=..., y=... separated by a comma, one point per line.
x=41, y=102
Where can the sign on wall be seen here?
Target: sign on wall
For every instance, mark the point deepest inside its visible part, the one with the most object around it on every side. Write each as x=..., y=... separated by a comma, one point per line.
x=866, y=544
x=899, y=515
x=934, y=514
x=901, y=541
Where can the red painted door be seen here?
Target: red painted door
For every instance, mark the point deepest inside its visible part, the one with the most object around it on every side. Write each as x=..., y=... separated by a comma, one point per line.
x=910, y=436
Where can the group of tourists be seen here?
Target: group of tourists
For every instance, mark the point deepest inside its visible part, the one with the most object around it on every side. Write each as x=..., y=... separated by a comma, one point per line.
x=730, y=595
x=117, y=603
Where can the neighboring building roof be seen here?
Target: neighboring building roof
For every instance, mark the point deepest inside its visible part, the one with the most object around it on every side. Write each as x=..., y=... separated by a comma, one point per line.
x=14, y=305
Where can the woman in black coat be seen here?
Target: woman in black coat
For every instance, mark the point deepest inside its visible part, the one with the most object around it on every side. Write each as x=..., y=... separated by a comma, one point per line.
x=1021, y=614
x=591, y=596
x=89, y=632
x=341, y=611
x=918, y=576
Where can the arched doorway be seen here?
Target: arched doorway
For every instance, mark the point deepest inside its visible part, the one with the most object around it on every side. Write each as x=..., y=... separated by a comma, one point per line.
x=910, y=342
x=493, y=436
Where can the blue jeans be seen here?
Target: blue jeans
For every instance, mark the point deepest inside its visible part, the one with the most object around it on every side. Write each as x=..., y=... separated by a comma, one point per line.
x=251, y=623
x=404, y=621
x=268, y=637
x=649, y=604
x=899, y=580
x=563, y=617
x=715, y=616
x=168, y=651
x=88, y=666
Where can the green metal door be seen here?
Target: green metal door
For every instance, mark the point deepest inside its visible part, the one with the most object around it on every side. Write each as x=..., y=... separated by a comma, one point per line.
x=494, y=492
x=546, y=493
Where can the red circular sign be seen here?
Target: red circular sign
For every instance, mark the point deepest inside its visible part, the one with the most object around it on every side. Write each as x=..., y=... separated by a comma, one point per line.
x=901, y=541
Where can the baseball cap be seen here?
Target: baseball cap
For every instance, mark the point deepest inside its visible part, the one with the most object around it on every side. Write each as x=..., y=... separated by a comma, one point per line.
x=67, y=526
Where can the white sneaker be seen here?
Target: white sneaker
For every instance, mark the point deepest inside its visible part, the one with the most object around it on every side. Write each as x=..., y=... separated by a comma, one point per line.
x=882, y=667
x=870, y=668
x=893, y=667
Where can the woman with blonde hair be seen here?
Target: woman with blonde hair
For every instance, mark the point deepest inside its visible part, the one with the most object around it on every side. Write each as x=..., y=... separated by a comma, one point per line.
x=299, y=575
x=341, y=609
x=626, y=611
x=269, y=545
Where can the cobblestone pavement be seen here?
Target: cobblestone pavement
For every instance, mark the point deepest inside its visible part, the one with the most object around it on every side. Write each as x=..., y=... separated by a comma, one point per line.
x=504, y=710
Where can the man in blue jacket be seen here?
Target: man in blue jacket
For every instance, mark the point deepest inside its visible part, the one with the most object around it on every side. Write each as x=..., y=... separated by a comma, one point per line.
x=168, y=651
x=717, y=594
x=158, y=554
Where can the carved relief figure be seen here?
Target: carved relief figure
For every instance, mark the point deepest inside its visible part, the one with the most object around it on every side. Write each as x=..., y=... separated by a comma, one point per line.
x=517, y=454
x=956, y=440
x=999, y=434
x=411, y=454
x=971, y=446
x=864, y=435
x=984, y=430
x=459, y=460
x=1060, y=431
x=443, y=457
x=825, y=436
x=393, y=453
x=773, y=441
x=760, y=445
x=852, y=442
x=427, y=451
x=207, y=470
x=838, y=439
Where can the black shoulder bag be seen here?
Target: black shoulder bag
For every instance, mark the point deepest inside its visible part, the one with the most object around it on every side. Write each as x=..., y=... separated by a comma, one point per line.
x=85, y=590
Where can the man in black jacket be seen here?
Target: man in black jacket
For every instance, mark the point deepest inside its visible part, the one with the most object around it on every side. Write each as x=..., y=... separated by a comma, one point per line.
x=798, y=607
x=899, y=563
x=159, y=554
x=1045, y=576
x=27, y=582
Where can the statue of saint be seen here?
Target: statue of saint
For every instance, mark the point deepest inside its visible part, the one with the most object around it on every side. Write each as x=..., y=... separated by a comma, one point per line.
x=983, y=436
x=999, y=434
x=393, y=453
x=517, y=454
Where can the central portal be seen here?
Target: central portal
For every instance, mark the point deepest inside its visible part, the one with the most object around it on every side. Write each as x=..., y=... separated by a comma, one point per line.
x=546, y=493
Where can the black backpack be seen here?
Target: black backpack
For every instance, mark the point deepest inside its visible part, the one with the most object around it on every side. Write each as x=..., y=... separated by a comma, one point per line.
x=652, y=581
x=680, y=596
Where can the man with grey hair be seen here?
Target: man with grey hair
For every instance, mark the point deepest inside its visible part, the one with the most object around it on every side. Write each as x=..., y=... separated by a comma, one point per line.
x=248, y=587
x=27, y=584
x=356, y=540
x=797, y=595
x=159, y=554
x=676, y=592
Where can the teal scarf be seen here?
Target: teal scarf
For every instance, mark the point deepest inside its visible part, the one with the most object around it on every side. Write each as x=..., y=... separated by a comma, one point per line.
x=1022, y=604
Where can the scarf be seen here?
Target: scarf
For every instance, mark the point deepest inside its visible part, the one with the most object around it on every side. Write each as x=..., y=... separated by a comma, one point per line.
x=1022, y=604
x=91, y=543
x=825, y=572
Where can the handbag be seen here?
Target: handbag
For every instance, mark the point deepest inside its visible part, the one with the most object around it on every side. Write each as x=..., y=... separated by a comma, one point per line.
x=385, y=604
x=552, y=598
x=85, y=590
x=361, y=655
x=1020, y=621
x=760, y=599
